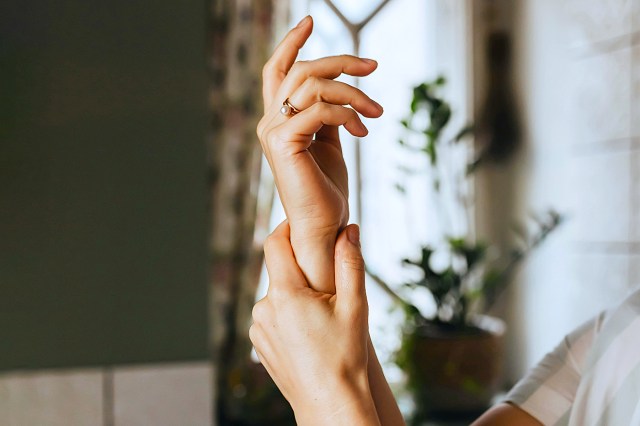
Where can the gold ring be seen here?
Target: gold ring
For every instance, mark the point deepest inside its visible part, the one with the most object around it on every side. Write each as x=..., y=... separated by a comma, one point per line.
x=288, y=109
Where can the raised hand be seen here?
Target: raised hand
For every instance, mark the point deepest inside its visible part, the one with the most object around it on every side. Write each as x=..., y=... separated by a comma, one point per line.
x=305, y=156
x=314, y=344
x=304, y=149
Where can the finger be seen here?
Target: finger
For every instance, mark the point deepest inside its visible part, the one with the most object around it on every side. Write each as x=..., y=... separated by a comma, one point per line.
x=316, y=89
x=284, y=272
x=263, y=360
x=296, y=133
x=329, y=68
x=254, y=337
x=283, y=57
x=350, y=288
x=261, y=344
x=329, y=134
x=264, y=357
x=312, y=119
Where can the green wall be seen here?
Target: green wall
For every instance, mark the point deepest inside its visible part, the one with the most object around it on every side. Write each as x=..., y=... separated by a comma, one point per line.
x=102, y=182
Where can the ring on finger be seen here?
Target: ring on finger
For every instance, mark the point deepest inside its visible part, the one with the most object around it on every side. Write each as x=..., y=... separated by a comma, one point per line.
x=288, y=109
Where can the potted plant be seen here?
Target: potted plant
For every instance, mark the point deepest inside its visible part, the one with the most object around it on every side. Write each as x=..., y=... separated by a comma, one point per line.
x=453, y=358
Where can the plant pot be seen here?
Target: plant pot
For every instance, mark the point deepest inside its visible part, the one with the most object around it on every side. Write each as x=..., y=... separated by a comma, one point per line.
x=455, y=372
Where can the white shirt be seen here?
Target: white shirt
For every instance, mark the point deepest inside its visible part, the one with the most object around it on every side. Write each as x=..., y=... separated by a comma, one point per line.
x=592, y=377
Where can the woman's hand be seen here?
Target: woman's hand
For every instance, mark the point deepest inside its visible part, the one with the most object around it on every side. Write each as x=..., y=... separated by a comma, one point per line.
x=304, y=149
x=305, y=156
x=314, y=344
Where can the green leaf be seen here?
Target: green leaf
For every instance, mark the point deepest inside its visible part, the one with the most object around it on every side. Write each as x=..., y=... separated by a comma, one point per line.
x=440, y=118
x=430, y=150
x=456, y=244
x=472, y=253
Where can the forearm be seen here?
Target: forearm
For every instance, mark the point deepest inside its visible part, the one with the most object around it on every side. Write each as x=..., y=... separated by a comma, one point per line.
x=386, y=406
x=349, y=403
x=506, y=414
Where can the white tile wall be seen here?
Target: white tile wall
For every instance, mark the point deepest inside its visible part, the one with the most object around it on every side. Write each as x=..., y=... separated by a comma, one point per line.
x=635, y=17
x=635, y=78
x=165, y=395
x=594, y=21
x=600, y=187
x=634, y=271
x=64, y=398
x=160, y=395
x=602, y=280
x=601, y=97
x=635, y=195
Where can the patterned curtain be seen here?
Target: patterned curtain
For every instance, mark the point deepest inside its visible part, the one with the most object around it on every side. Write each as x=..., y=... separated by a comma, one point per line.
x=240, y=40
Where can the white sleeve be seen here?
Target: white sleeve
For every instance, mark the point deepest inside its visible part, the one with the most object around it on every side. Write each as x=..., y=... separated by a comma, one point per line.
x=547, y=392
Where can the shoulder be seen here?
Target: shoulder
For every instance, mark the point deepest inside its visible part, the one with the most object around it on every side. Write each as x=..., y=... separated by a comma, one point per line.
x=609, y=389
x=593, y=352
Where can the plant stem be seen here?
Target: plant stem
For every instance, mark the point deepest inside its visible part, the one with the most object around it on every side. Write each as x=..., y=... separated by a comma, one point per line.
x=387, y=289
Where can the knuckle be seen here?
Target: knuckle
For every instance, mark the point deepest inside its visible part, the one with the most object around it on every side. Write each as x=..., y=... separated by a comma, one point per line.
x=354, y=262
x=358, y=316
x=311, y=86
x=267, y=69
x=259, y=312
x=313, y=83
x=357, y=313
x=355, y=92
x=299, y=68
x=321, y=108
x=275, y=136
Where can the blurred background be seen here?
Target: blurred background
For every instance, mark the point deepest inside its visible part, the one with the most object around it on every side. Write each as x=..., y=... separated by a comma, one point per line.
x=134, y=199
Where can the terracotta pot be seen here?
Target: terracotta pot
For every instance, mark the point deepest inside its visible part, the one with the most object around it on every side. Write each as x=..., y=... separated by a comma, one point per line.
x=457, y=372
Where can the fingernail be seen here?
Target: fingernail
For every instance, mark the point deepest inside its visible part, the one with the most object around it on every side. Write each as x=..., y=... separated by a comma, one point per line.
x=369, y=61
x=377, y=105
x=303, y=21
x=353, y=233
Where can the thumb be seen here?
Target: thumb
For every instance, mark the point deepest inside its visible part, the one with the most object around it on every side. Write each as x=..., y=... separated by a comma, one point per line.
x=349, y=263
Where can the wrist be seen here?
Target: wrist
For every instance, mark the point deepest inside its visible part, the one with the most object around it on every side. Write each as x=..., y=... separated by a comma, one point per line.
x=313, y=234
x=315, y=256
x=317, y=225
x=347, y=402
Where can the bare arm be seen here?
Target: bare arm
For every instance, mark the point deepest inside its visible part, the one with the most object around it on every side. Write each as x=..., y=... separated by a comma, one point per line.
x=304, y=149
x=506, y=415
x=305, y=155
x=386, y=406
